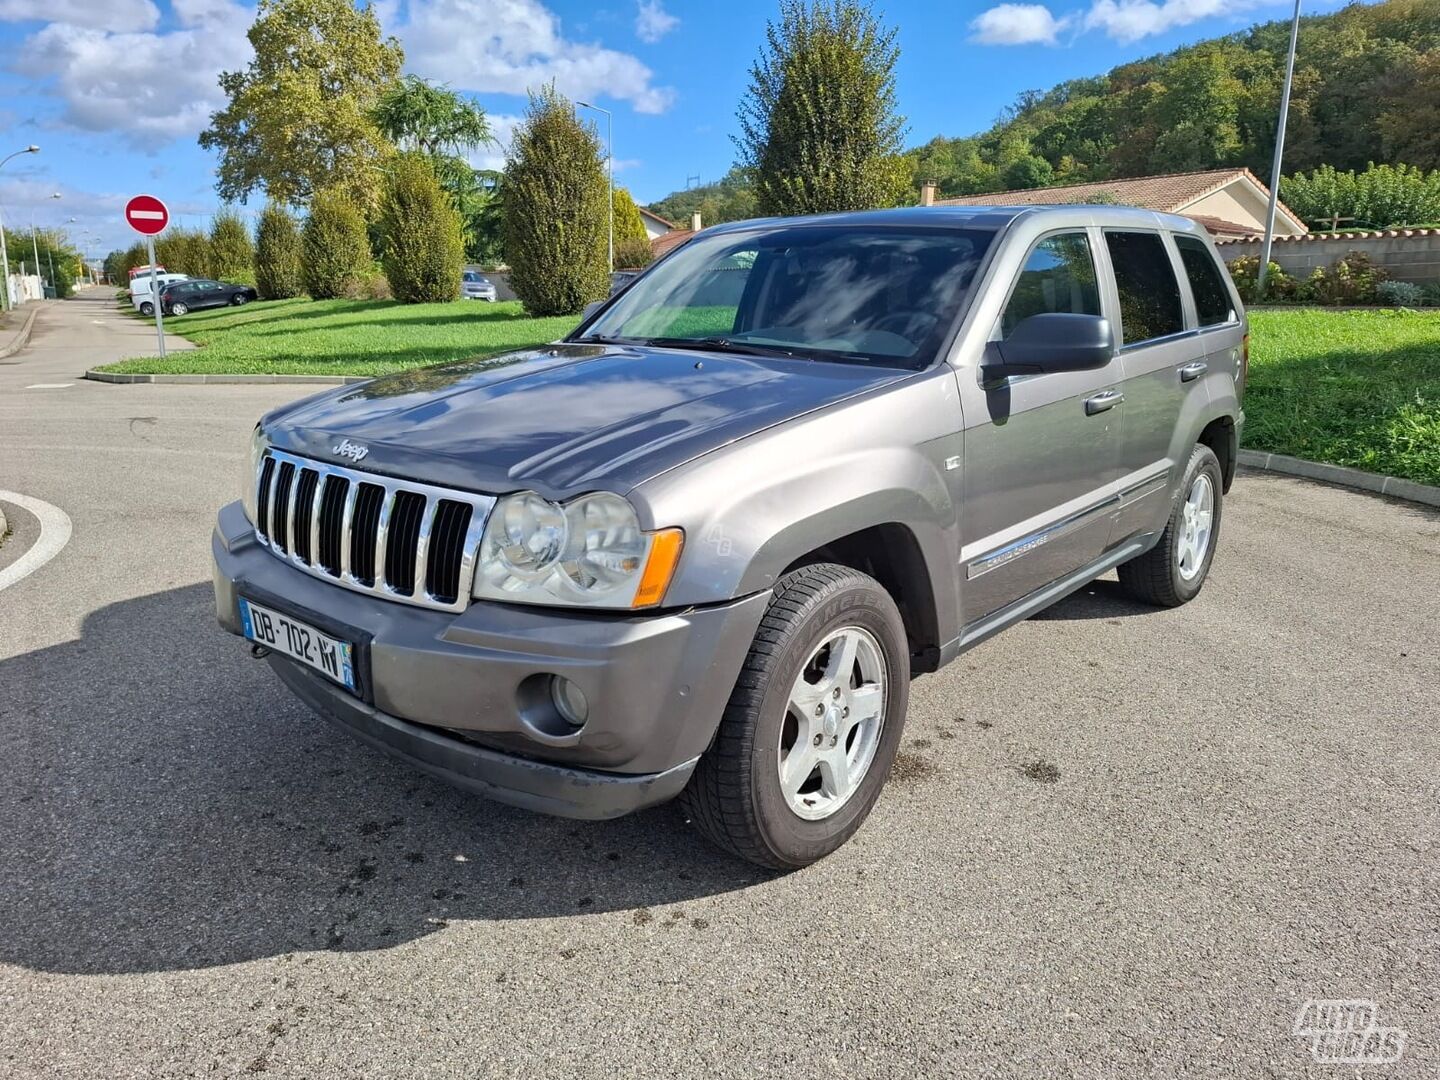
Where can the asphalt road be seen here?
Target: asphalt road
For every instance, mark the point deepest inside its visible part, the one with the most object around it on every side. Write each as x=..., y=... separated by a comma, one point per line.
x=1120, y=842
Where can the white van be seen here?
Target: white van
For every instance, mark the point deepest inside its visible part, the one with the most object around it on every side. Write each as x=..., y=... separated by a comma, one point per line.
x=143, y=288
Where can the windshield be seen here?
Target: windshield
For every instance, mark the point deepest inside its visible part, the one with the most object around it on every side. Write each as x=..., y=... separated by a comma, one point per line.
x=873, y=294
x=471, y=276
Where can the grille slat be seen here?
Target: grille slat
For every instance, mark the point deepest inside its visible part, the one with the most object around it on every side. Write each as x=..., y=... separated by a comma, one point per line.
x=402, y=541
x=330, y=528
x=302, y=536
x=283, y=514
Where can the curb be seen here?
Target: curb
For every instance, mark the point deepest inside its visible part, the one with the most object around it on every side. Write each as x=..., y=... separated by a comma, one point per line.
x=1393, y=486
x=22, y=338
x=214, y=380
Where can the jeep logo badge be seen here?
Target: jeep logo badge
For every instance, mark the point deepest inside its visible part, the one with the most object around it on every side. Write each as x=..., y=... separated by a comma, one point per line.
x=353, y=451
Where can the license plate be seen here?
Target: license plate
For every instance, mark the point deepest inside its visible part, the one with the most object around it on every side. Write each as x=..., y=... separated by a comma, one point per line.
x=299, y=641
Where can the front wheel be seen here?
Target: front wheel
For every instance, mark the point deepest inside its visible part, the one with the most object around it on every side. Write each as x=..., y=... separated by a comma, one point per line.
x=239, y=298
x=178, y=309
x=147, y=309
x=813, y=724
x=1171, y=572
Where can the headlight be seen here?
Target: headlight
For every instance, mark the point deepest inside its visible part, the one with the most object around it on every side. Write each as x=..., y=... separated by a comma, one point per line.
x=591, y=552
x=251, y=478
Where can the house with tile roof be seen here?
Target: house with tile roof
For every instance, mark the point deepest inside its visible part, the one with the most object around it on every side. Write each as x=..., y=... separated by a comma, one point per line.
x=1230, y=203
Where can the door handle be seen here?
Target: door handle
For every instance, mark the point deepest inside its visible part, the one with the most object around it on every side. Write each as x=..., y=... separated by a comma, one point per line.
x=1191, y=372
x=1106, y=399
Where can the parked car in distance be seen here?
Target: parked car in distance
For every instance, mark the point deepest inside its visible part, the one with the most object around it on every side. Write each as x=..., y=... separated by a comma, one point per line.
x=701, y=546
x=193, y=294
x=476, y=286
x=144, y=284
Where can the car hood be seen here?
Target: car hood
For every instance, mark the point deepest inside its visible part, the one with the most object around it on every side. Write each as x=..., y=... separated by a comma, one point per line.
x=564, y=418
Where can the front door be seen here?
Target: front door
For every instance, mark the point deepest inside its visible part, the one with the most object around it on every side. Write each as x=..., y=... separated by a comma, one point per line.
x=1041, y=453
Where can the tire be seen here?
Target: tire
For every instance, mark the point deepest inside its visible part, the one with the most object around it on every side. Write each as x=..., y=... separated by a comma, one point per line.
x=736, y=796
x=238, y=299
x=147, y=309
x=178, y=309
x=1170, y=573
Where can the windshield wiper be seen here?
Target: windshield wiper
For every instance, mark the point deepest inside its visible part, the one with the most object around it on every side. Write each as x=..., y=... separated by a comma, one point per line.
x=725, y=345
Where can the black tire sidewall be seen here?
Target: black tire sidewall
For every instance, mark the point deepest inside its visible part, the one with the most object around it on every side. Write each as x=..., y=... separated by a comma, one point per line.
x=147, y=314
x=1202, y=459
x=857, y=602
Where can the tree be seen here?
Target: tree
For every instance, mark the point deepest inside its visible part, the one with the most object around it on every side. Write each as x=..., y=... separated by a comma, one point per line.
x=731, y=198
x=424, y=247
x=819, y=130
x=556, y=224
x=299, y=117
x=232, y=255
x=629, y=225
x=1030, y=171
x=335, y=251
x=485, y=219
x=184, y=251
x=435, y=120
x=277, y=255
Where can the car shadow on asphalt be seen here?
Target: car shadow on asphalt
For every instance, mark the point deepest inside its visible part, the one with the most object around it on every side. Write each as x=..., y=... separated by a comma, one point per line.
x=1100, y=599
x=169, y=806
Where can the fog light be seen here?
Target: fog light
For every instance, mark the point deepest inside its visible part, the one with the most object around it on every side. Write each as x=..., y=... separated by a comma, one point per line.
x=569, y=700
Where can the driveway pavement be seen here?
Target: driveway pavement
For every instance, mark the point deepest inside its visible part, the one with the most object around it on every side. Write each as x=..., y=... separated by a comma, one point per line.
x=1119, y=842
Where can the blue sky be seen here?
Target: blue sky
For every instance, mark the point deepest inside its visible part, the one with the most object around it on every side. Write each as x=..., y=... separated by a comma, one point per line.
x=115, y=91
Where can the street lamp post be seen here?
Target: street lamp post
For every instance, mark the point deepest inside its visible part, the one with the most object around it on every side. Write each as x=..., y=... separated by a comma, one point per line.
x=35, y=250
x=609, y=168
x=1275, y=167
x=5, y=255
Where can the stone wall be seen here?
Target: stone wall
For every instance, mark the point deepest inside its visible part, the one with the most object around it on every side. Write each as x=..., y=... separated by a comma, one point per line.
x=1408, y=254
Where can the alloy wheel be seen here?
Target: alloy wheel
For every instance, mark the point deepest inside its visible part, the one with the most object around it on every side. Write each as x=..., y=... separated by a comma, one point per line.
x=833, y=721
x=1196, y=515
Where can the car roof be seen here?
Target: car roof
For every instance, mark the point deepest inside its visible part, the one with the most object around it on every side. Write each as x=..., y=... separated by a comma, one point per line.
x=983, y=217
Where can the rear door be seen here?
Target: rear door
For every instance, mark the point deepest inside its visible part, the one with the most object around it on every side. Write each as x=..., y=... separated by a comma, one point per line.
x=1041, y=451
x=1159, y=353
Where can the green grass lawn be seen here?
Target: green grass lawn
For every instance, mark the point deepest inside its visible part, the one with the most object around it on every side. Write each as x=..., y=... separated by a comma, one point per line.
x=1358, y=388
x=344, y=337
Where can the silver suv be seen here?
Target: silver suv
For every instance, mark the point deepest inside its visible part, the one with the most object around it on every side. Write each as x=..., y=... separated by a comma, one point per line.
x=701, y=547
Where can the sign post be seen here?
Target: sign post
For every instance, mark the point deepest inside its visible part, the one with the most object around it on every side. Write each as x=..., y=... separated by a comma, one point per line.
x=149, y=216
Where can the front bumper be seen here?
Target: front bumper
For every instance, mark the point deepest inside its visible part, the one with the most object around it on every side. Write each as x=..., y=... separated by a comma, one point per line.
x=444, y=691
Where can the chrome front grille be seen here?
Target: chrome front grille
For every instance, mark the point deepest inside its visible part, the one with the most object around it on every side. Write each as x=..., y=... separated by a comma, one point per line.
x=396, y=539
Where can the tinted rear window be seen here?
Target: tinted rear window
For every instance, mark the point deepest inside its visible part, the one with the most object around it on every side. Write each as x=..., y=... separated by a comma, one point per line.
x=1212, y=298
x=1149, y=294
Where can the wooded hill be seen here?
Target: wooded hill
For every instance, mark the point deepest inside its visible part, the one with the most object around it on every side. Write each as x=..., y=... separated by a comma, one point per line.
x=1367, y=88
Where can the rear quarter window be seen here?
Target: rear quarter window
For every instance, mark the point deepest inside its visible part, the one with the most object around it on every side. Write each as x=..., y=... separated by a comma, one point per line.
x=1212, y=298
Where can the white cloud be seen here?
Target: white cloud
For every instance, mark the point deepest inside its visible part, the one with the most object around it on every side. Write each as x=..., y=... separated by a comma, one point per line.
x=151, y=88
x=1017, y=24
x=1131, y=20
x=1122, y=20
x=121, y=16
x=510, y=46
x=652, y=21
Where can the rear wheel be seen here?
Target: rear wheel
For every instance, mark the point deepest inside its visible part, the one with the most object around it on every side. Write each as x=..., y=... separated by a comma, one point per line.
x=812, y=725
x=1172, y=572
x=147, y=309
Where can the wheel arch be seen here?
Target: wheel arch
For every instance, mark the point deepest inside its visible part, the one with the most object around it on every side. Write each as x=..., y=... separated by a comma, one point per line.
x=891, y=553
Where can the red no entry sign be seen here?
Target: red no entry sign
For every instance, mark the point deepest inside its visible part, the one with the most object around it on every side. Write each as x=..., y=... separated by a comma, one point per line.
x=146, y=214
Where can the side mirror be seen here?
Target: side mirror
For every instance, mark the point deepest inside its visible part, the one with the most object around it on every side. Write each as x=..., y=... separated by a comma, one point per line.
x=590, y=309
x=1051, y=342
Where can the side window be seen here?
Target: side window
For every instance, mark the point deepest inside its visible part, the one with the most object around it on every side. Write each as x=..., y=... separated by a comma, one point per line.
x=1059, y=275
x=1145, y=279
x=1212, y=298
